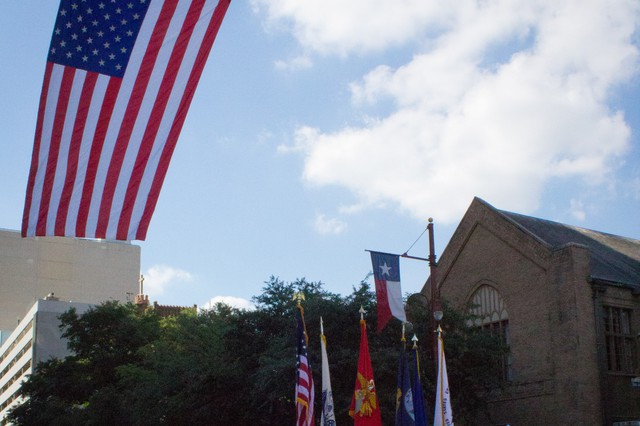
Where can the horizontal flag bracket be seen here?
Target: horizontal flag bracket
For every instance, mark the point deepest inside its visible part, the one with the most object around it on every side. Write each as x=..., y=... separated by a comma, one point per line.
x=405, y=255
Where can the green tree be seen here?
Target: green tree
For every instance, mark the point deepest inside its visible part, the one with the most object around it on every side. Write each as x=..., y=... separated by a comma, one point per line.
x=83, y=388
x=186, y=371
x=232, y=366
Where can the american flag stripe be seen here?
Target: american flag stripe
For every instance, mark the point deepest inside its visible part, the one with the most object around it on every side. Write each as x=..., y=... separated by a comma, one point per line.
x=103, y=144
x=152, y=186
x=78, y=151
x=136, y=106
x=64, y=148
x=55, y=144
x=303, y=378
x=160, y=109
x=304, y=393
x=47, y=146
x=74, y=154
x=120, y=137
x=163, y=115
x=35, y=159
x=44, y=129
x=103, y=103
x=304, y=381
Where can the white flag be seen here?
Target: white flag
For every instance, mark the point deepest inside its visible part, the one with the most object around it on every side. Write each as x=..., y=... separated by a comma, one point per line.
x=443, y=415
x=328, y=417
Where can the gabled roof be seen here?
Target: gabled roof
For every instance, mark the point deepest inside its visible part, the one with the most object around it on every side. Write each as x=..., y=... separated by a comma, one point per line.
x=614, y=259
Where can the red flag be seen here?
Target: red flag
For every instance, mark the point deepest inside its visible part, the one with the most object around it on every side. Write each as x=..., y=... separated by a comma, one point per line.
x=365, y=409
x=118, y=82
x=304, y=382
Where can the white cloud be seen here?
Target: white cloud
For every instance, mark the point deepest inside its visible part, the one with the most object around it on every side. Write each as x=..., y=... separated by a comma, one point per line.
x=236, y=302
x=342, y=27
x=352, y=209
x=324, y=225
x=577, y=209
x=295, y=64
x=264, y=136
x=159, y=277
x=505, y=97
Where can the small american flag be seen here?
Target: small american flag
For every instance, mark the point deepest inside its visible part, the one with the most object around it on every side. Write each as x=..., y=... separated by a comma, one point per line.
x=118, y=83
x=304, y=383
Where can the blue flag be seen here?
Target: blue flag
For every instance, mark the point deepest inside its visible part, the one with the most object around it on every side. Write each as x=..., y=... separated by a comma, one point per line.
x=416, y=386
x=404, y=397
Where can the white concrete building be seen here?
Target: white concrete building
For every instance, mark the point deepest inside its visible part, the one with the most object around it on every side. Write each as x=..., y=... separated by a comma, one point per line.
x=90, y=271
x=37, y=338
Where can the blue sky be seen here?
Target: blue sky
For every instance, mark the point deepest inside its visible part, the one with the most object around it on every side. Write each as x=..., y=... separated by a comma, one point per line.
x=324, y=128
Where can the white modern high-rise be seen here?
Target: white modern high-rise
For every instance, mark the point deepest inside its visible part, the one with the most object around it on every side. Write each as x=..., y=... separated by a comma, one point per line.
x=36, y=338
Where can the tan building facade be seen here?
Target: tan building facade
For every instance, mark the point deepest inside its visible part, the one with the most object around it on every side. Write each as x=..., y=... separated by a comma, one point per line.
x=79, y=270
x=566, y=300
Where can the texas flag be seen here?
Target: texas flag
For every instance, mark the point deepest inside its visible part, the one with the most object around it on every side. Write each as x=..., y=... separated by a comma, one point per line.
x=386, y=272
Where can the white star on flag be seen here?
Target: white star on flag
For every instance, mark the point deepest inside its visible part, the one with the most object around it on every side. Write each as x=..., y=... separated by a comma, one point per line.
x=385, y=269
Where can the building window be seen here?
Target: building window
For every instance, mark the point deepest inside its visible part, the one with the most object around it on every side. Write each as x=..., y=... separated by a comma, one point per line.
x=490, y=312
x=620, y=342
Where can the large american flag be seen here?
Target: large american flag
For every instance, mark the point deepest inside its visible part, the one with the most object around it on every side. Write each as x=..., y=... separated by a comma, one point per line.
x=304, y=382
x=118, y=82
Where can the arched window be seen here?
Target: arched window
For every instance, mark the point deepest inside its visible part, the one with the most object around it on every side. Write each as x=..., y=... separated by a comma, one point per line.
x=487, y=306
x=490, y=312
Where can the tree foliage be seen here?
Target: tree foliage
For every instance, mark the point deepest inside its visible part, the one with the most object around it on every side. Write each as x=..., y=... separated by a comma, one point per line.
x=84, y=388
x=231, y=366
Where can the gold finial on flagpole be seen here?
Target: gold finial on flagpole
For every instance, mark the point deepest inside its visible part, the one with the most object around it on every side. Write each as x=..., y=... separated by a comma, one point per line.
x=414, y=339
x=298, y=296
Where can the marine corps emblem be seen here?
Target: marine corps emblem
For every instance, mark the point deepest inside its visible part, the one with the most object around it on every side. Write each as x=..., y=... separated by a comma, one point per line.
x=365, y=397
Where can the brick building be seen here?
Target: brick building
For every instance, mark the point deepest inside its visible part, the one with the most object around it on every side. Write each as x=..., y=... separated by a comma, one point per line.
x=142, y=302
x=566, y=299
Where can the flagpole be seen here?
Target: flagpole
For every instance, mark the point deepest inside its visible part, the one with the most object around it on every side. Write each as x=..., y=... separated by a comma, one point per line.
x=327, y=416
x=304, y=390
x=439, y=384
x=443, y=415
x=436, y=308
x=420, y=416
